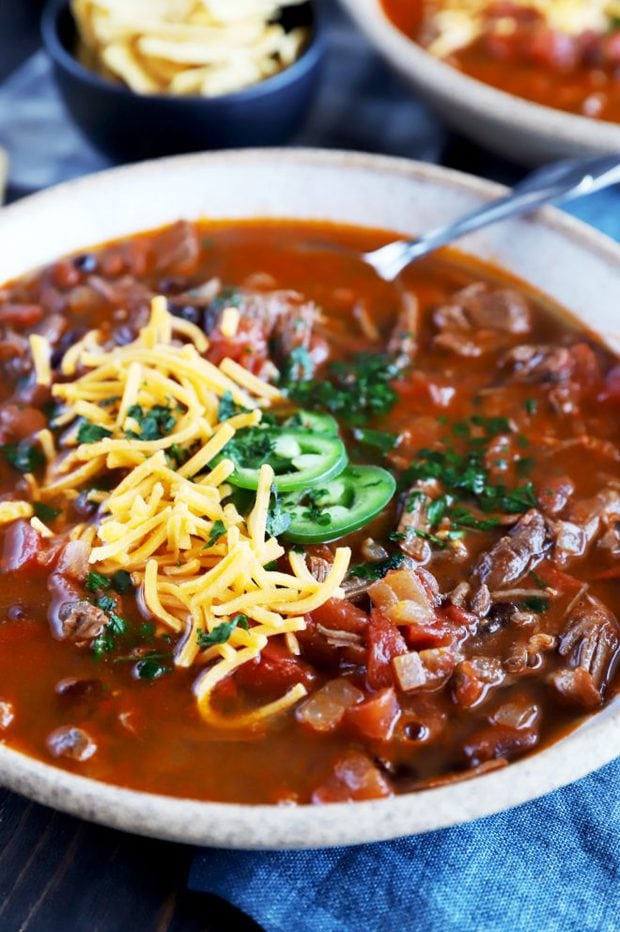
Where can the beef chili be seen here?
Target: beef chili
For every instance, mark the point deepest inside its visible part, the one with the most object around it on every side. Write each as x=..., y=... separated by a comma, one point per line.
x=565, y=56
x=276, y=531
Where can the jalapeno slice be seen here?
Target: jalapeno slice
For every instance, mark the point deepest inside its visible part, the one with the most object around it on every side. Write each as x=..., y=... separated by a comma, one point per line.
x=299, y=459
x=314, y=422
x=334, y=509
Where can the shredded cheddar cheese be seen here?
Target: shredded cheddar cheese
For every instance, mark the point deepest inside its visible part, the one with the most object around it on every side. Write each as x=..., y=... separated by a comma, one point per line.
x=147, y=413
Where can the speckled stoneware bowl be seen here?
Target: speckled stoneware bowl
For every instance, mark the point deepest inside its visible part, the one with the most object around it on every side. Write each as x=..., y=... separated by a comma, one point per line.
x=569, y=261
x=520, y=130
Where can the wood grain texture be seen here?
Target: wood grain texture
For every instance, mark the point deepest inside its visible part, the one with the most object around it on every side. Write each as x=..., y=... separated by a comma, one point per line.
x=58, y=873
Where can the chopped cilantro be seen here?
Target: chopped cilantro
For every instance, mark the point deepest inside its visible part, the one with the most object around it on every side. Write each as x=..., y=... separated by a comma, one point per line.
x=153, y=666
x=278, y=520
x=121, y=581
x=355, y=390
x=372, y=571
x=379, y=439
x=431, y=538
x=222, y=632
x=228, y=408
x=45, y=512
x=535, y=604
x=530, y=405
x=25, y=457
x=218, y=530
x=538, y=579
x=156, y=423
x=96, y=581
x=92, y=433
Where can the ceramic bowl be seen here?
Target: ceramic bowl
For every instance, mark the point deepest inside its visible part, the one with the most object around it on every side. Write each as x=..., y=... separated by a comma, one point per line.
x=127, y=126
x=575, y=265
x=511, y=126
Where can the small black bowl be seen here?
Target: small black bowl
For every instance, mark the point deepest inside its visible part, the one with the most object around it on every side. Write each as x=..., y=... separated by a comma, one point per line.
x=128, y=127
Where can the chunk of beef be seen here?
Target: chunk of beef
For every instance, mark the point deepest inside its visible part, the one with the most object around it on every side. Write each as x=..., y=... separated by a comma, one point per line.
x=591, y=640
x=555, y=495
x=71, y=617
x=71, y=742
x=176, y=249
x=576, y=688
x=568, y=372
x=479, y=318
x=515, y=554
x=590, y=519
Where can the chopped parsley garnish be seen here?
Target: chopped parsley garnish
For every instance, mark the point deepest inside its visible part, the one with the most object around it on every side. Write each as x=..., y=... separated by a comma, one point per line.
x=467, y=475
x=24, y=457
x=379, y=439
x=218, y=530
x=154, y=424
x=431, y=538
x=228, y=408
x=45, y=512
x=530, y=405
x=278, y=520
x=92, y=433
x=355, y=391
x=96, y=581
x=538, y=579
x=373, y=571
x=222, y=632
x=153, y=666
x=121, y=581
x=535, y=604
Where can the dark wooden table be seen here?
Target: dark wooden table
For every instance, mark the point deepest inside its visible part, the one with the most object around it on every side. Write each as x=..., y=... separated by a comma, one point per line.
x=59, y=873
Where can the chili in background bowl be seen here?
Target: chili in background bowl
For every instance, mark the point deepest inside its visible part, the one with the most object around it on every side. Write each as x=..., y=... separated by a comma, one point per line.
x=511, y=126
x=575, y=265
x=127, y=126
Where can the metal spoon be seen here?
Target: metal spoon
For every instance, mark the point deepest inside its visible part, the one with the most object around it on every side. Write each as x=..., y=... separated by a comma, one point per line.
x=549, y=185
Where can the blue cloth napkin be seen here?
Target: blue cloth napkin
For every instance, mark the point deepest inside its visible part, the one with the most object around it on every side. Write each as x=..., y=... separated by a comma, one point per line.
x=549, y=866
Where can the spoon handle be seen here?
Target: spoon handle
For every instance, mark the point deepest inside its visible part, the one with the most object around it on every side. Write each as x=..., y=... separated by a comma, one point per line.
x=551, y=184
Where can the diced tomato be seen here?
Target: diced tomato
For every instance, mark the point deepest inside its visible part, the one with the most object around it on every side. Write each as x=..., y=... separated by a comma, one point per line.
x=420, y=636
x=248, y=347
x=341, y=615
x=384, y=643
x=21, y=549
x=375, y=718
x=558, y=580
x=274, y=672
x=611, y=391
x=354, y=777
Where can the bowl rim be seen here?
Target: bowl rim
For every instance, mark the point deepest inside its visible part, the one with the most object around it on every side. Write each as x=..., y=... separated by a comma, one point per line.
x=267, y=827
x=306, y=63
x=537, y=119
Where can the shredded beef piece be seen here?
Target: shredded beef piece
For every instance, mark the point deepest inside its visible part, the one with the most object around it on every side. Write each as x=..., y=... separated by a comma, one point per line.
x=515, y=554
x=576, y=688
x=81, y=621
x=591, y=639
x=589, y=519
x=479, y=318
